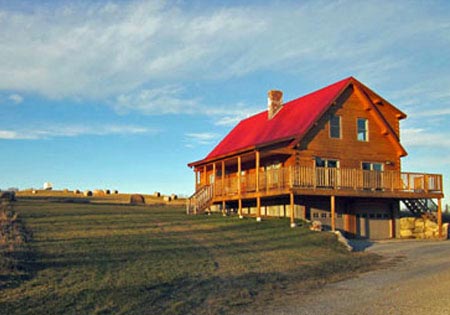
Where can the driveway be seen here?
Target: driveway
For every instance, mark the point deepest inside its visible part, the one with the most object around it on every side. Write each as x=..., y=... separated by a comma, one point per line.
x=417, y=283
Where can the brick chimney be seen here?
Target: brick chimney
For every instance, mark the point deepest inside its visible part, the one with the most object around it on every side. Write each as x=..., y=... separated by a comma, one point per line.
x=275, y=102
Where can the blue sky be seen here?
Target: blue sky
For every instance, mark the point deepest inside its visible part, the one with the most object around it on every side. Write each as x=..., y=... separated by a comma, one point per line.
x=123, y=94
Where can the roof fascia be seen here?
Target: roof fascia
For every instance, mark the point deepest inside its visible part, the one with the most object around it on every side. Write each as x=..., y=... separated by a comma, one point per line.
x=220, y=157
x=230, y=155
x=400, y=115
x=333, y=101
x=379, y=118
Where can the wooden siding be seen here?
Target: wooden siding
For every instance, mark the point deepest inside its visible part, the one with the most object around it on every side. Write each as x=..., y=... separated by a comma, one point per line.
x=348, y=150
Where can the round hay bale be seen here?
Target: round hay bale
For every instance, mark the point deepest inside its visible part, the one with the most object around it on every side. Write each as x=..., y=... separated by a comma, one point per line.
x=116, y=192
x=167, y=198
x=98, y=193
x=174, y=196
x=137, y=199
x=34, y=192
x=76, y=192
x=157, y=194
x=107, y=192
x=87, y=193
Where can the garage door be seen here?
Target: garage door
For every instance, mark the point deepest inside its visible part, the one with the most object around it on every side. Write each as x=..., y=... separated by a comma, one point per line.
x=374, y=224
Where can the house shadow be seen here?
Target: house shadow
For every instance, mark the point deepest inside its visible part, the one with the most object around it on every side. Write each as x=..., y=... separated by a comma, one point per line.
x=360, y=244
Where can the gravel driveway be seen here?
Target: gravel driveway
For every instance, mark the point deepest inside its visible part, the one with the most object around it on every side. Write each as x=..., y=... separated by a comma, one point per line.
x=417, y=284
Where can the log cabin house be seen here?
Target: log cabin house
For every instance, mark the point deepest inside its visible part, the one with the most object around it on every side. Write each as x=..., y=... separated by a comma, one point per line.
x=333, y=155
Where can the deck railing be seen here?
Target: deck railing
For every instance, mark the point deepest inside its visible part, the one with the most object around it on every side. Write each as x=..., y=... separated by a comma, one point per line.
x=302, y=177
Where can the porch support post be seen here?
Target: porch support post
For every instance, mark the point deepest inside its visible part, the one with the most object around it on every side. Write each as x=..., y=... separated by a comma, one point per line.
x=196, y=179
x=222, y=191
x=439, y=216
x=333, y=213
x=224, y=208
x=257, y=171
x=258, y=209
x=291, y=195
x=214, y=180
x=258, y=198
x=239, y=188
x=205, y=176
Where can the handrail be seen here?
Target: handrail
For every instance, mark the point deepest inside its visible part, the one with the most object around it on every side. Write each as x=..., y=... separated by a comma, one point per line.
x=199, y=200
x=303, y=177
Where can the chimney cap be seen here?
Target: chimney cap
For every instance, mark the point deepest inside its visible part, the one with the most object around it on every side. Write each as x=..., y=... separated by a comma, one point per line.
x=275, y=94
x=275, y=102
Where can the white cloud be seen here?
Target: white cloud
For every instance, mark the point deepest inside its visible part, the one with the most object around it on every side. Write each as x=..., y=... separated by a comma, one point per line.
x=163, y=100
x=171, y=99
x=73, y=131
x=16, y=98
x=108, y=49
x=200, y=138
x=418, y=137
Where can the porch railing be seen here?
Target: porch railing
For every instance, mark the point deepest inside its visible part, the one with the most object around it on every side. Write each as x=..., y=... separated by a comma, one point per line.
x=302, y=177
x=200, y=200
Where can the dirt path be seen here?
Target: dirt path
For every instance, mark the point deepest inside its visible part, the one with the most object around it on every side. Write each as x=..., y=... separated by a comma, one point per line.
x=418, y=283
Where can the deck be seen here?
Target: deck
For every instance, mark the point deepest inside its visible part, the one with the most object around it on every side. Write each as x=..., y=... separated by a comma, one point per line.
x=326, y=181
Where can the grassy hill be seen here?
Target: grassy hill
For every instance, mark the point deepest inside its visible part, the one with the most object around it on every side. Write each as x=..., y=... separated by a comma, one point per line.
x=121, y=259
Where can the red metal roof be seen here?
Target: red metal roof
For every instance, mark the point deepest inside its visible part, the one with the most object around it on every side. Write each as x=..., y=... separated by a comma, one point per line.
x=293, y=120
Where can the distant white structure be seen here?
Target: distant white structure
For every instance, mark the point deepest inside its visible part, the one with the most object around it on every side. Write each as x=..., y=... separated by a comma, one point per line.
x=48, y=186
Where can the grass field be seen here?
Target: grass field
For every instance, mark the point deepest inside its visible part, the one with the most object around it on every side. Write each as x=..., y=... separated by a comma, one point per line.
x=121, y=198
x=119, y=259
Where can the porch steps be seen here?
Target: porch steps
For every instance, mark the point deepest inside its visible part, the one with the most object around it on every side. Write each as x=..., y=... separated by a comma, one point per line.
x=200, y=200
x=420, y=206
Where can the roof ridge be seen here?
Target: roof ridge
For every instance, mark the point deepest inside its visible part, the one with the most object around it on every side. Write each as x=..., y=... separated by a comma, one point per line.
x=294, y=118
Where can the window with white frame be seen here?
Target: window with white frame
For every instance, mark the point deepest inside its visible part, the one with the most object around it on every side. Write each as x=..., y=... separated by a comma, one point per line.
x=370, y=166
x=335, y=127
x=363, y=129
x=327, y=163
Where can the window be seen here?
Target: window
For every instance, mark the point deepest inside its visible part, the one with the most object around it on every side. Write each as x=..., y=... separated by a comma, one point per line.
x=326, y=163
x=363, y=129
x=326, y=171
x=369, y=166
x=335, y=127
x=315, y=215
x=323, y=215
